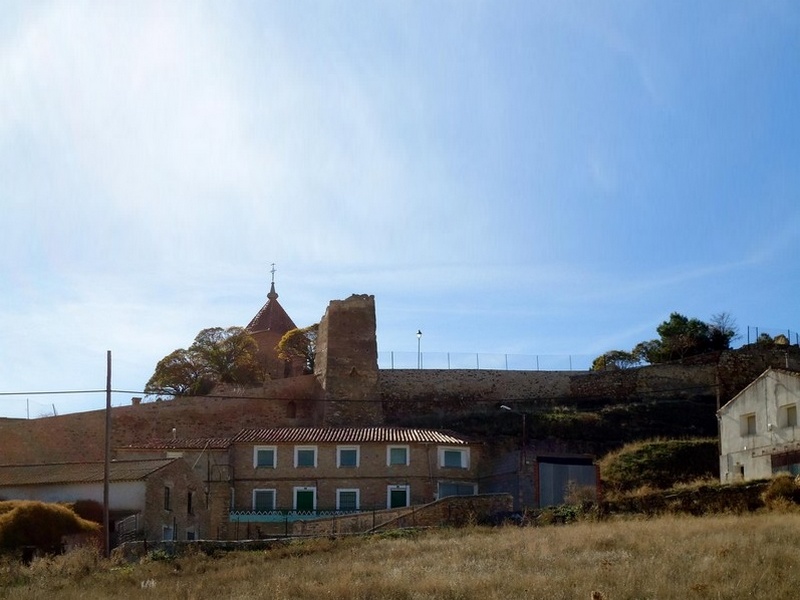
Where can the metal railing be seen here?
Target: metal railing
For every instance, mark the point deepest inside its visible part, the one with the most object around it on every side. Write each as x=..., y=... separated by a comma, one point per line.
x=754, y=334
x=505, y=362
x=287, y=515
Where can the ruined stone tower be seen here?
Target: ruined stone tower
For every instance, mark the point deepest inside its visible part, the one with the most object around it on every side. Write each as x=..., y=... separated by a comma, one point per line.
x=346, y=363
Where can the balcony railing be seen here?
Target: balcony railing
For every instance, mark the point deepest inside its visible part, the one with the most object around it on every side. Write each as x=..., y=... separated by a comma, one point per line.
x=285, y=515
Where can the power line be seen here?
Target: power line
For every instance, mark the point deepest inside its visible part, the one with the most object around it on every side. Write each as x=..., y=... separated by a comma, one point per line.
x=62, y=392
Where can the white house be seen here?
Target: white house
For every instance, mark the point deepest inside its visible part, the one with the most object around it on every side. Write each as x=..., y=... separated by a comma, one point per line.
x=759, y=434
x=160, y=499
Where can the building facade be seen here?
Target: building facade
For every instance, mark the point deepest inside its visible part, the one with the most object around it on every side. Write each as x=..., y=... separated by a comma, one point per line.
x=309, y=470
x=759, y=433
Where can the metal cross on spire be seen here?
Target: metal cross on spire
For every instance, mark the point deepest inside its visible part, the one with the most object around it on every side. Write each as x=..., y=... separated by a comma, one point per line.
x=273, y=272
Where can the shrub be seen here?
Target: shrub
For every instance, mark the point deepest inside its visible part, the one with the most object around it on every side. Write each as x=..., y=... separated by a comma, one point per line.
x=39, y=525
x=659, y=463
x=781, y=492
x=91, y=510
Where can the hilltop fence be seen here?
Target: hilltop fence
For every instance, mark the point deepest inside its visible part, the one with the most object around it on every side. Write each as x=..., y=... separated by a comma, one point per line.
x=753, y=333
x=503, y=362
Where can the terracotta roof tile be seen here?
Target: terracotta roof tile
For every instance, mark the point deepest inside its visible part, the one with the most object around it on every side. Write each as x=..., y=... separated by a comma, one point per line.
x=271, y=317
x=183, y=444
x=349, y=435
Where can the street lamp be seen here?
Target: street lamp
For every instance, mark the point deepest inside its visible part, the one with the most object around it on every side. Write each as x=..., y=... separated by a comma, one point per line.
x=522, y=455
x=419, y=348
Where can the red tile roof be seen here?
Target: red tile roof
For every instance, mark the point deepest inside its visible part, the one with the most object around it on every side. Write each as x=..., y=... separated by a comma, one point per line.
x=87, y=472
x=183, y=444
x=271, y=317
x=349, y=435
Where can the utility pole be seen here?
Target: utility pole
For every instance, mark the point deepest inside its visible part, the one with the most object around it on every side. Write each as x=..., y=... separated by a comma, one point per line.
x=107, y=465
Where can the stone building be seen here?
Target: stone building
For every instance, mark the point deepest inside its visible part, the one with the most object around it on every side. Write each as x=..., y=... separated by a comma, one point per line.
x=759, y=434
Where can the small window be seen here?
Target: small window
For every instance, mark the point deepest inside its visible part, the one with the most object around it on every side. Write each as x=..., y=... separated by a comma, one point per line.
x=190, y=503
x=263, y=500
x=454, y=458
x=347, y=456
x=167, y=533
x=398, y=496
x=397, y=455
x=748, y=424
x=305, y=456
x=167, y=498
x=347, y=500
x=788, y=415
x=190, y=535
x=264, y=457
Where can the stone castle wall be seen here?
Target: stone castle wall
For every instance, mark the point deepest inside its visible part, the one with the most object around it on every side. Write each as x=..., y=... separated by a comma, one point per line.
x=348, y=389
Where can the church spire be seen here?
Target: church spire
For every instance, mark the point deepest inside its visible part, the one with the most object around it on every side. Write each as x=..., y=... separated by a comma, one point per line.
x=271, y=317
x=272, y=293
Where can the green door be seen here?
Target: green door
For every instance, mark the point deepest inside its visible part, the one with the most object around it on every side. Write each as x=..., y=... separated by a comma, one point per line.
x=304, y=499
x=398, y=497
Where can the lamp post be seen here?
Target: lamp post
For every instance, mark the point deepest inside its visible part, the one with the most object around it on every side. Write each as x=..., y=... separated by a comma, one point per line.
x=522, y=454
x=419, y=348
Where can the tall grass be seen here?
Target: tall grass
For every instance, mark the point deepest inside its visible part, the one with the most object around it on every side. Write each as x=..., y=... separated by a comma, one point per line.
x=751, y=556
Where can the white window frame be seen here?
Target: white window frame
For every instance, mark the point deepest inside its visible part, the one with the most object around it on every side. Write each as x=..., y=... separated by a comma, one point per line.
x=298, y=449
x=257, y=449
x=394, y=488
x=350, y=490
x=303, y=488
x=274, y=499
x=389, y=449
x=339, y=450
x=464, y=452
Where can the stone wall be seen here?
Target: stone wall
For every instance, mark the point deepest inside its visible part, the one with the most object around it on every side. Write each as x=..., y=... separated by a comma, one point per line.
x=413, y=392
x=452, y=511
x=80, y=436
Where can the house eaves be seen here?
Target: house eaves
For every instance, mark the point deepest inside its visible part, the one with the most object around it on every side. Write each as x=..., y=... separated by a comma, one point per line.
x=77, y=473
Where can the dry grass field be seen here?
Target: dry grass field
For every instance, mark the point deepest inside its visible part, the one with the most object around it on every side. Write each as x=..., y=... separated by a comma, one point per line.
x=749, y=556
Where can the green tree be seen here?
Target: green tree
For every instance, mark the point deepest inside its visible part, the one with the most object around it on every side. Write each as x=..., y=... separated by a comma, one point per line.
x=679, y=338
x=217, y=355
x=229, y=355
x=180, y=373
x=300, y=344
x=615, y=359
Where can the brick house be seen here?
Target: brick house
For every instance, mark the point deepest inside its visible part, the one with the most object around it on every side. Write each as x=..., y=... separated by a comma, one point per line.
x=278, y=475
x=349, y=469
x=152, y=499
x=759, y=433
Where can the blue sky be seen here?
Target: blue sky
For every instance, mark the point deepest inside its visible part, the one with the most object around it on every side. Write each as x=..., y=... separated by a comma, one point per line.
x=524, y=178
